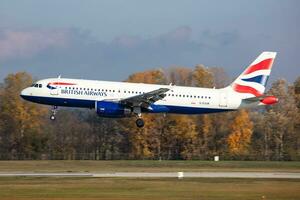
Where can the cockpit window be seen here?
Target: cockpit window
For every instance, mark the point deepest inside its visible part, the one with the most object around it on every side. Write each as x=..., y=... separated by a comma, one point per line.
x=37, y=85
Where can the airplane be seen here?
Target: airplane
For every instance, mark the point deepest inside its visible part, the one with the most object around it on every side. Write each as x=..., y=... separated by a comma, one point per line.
x=122, y=99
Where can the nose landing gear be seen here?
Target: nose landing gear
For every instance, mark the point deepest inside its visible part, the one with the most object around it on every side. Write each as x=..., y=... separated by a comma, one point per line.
x=53, y=113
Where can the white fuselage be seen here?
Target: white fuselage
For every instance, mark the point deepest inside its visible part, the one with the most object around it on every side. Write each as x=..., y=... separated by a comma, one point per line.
x=84, y=93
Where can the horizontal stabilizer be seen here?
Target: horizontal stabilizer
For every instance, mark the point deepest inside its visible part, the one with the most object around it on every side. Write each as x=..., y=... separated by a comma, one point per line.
x=254, y=99
x=262, y=99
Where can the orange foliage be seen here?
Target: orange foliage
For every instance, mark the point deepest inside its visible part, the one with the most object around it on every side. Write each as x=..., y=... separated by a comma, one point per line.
x=241, y=132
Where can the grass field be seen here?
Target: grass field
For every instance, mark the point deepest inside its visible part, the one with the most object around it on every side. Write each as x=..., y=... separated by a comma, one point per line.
x=145, y=166
x=56, y=188
x=115, y=188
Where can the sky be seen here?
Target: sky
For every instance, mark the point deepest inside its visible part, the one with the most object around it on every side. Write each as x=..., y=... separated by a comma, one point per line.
x=109, y=40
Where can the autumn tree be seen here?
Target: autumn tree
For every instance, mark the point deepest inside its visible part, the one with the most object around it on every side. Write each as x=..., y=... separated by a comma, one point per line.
x=202, y=77
x=240, y=135
x=220, y=78
x=22, y=121
x=181, y=138
x=180, y=76
x=280, y=121
x=297, y=118
x=145, y=142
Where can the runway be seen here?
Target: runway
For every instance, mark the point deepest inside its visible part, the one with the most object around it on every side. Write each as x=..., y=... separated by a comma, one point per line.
x=273, y=175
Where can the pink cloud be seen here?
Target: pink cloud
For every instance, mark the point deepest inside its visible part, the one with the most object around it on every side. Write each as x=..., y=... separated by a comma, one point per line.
x=27, y=43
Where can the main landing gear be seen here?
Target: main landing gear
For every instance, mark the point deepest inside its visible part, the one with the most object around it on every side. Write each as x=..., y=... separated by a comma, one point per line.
x=53, y=113
x=139, y=121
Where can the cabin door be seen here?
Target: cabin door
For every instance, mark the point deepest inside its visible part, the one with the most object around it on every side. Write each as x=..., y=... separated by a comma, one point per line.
x=223, y=99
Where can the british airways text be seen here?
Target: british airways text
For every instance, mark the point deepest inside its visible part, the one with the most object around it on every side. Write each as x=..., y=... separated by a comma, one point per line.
x=84, y=92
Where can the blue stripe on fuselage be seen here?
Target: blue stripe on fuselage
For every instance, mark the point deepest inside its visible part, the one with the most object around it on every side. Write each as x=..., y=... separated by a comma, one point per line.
x=91, y=104
x=60, y=101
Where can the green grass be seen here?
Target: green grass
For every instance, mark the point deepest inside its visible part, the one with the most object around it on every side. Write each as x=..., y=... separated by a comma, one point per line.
x=148, y=189
x=145, y=166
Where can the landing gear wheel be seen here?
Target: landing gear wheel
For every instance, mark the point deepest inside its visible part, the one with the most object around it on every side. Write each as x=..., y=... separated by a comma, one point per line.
x=140, y=122
x=52, y=117
x=53, y=113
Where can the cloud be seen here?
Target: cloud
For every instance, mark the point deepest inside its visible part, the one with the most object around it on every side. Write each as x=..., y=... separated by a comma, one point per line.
x=220, y=38
x=28, y=43
x=76, y=53
x=182, y=33
x=127, y=41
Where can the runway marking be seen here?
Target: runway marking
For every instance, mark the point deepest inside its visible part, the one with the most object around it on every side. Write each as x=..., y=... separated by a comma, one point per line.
x=288, y=175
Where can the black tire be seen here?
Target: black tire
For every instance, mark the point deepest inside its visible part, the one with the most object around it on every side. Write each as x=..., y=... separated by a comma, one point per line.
x=52, y=117
x=140, y=123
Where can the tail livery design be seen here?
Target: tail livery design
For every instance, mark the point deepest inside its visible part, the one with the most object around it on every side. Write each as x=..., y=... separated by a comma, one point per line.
x=252, y=82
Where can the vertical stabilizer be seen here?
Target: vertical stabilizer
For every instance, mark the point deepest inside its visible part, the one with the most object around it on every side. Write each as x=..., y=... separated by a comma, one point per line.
x=252, y=82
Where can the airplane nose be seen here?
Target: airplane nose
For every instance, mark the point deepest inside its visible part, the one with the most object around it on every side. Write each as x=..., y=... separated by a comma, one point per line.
x=24, y=93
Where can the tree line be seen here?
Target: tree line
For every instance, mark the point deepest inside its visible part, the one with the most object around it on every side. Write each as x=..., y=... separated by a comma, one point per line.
x=266, y=133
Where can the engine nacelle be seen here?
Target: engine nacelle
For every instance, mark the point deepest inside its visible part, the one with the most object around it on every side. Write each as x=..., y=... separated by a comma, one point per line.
x=111, y=109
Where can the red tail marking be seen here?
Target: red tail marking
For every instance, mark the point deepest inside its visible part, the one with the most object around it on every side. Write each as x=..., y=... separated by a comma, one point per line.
x=246, y=89
x=265, y=64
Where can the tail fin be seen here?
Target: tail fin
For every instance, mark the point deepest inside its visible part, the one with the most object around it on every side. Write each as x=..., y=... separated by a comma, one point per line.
x=252, y=82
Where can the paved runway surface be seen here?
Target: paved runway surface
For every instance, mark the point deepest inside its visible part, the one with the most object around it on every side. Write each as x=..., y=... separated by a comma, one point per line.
x=162, y=175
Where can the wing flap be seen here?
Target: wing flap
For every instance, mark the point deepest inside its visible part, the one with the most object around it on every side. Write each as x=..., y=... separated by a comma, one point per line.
x=144, y=100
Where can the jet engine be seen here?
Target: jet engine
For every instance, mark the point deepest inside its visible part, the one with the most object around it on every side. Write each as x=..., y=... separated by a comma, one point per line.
x=111, y=109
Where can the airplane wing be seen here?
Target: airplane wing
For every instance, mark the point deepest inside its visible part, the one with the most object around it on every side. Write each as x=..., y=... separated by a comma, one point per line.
x=145, y=99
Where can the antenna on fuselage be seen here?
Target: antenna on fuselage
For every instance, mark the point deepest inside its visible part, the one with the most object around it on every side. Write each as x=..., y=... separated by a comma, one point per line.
x=59, y=76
